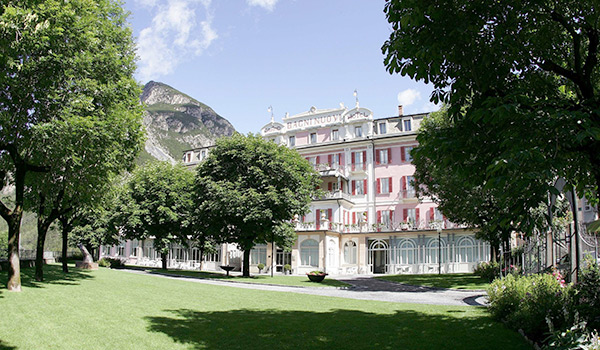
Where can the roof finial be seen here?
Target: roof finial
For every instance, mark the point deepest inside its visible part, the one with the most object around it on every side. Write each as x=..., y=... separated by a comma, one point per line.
x=356, y=95
x=270, y=109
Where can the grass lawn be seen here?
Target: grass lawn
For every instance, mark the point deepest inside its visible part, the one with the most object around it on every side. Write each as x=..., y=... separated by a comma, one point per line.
x=296, y=281
x=454, y=281
x=111, y=309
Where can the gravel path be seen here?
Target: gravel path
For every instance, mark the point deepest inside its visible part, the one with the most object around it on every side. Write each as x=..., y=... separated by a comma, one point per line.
x=363, y=288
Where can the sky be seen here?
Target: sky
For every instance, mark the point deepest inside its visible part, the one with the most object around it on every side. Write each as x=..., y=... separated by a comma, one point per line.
x=242, y=56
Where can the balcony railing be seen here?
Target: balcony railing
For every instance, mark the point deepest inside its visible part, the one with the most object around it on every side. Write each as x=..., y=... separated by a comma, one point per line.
x=334, y=195
x=406, y=194
x=363, y=227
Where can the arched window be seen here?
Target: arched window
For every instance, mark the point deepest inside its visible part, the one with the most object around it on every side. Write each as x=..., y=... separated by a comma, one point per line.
x=466, y=249
x=406, y=252
x=433, y=251
x=309, y=253
x=350, y=252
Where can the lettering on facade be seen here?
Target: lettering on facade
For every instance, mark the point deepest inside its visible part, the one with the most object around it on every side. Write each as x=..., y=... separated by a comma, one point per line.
x=357, y=115
x=273, y=128
x=314, y=121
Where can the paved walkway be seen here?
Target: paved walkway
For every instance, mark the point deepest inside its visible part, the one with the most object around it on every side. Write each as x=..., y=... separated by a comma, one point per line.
x=363, y=288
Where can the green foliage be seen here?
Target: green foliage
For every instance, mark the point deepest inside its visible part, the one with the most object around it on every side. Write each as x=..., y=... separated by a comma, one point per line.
x=3, y=245
x=248, y=191
x=587, y=295
x=487, y=270
x=155, y=202
x=287, y=267
x=521, y=80
x=536, y=304
x=260, y=266
x=112, y=263
x=577, y=337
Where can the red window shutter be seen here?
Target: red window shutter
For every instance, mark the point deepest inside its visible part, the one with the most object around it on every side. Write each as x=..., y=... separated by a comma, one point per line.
x=390, y=184
x=378, y=186
x=329, y=214
x=330, y=186
x=365, y=185
x=342, y=186
x=318, y=159
x=404, y=215
x=389, y=151
x=366, y=215
x=318, y=219
x=354, y=217
x=417, y=211
x=379, y=216
x=403, y=180
x=307, y=158
x=431, y=213
x=352, y=157
x=330, y=159
x=341, y=158
x=364, y=160
x=353, y=187
x=391, y=216
x=402, y=155
x=377, y=159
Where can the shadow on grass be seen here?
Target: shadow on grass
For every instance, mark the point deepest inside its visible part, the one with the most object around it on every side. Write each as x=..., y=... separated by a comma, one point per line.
x=3, y=346
x=464, y=281
x=336, y=329
x=53, y=274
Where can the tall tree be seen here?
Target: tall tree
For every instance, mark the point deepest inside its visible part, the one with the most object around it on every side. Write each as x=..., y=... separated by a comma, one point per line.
x=60, y=62
x=523, y=73
x=155, y=203
x=249, y=189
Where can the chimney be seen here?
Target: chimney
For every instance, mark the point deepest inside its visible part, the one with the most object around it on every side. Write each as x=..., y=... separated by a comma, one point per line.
x=400, y=111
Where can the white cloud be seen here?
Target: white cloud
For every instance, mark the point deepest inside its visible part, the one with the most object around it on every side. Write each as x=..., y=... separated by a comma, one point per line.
x=268, y=5
x=174, y=34
x=408, y=97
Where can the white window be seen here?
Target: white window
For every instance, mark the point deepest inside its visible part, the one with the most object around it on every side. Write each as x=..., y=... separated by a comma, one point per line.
x=358, y=131
x=383, y=156
x=411, y=216
x=407, y=155
x=121, y=249
x=437, y=215
x=382, y=128
x=409, y=185
x=213, y=257
x=134, y=246
x=335, y=160
x=149, y=251
x=434, y=253
x=360, y=186
x=335, y=134
x=385, y=218
x=358, y=159
x=407, y=125
x=313, y=137
x=202, y=154
x=312, y=161
x=350, y=252
x=292, y=140
x=107, y=250
x=406, y=252
x=466, y=249
x=309, y=253
x=258, y=255
x=385, y=185
x=334, y=187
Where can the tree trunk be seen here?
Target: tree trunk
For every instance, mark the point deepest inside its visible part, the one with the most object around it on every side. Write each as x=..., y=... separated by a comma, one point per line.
x=14, y=269
x=42, y=228
x=246, y=263
x=65, y=243
x=164, y=260
x=87, y=257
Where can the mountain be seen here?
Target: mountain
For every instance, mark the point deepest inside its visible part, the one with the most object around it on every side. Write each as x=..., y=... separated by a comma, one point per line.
x=176, y=122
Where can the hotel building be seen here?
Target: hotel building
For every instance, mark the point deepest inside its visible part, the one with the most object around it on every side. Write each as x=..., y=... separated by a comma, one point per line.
x=369, y=220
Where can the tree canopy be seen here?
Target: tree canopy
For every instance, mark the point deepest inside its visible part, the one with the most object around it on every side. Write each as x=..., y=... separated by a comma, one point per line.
x=156, y=203
x=248, y=191
x=522, y=82
x=66, y=77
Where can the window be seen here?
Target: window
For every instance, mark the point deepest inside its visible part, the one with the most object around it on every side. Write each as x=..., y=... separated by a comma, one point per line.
x=382, y=128
x=358, y=131
x=134, y=246
x=466, y=250
x=258, y=255
x=335, y=160
x=313, y=137
x=386, y=219
x=385, y=185
x=149, y=251
x=213, y=257
x=335, y=134
x=312, y=161
x=359, y=160
x=384, y=156
x=411, y=215
x=107, y=250
x=309, y=253
x=406, y=252
x=202, y=154
x=350, y=252
x=121, y=249
x=407, y=155
x=433, y=251
x=292, y=141
x=409, y=185
x=359, y=186
x=407, y=125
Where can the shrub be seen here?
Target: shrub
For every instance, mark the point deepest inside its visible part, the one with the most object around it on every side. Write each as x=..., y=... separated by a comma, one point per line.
x=111, y=262
x=587, y=295
x=487, y=270
x=532, y=303
x=577, y=337
x=260, y=266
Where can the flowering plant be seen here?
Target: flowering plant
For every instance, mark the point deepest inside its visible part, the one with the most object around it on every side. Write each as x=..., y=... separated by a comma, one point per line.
x=316, y=273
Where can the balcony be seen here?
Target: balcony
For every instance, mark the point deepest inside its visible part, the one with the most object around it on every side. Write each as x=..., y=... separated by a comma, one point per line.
x=331, y=170
x=334, y=195
x=358, y=167
x=363, y=227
